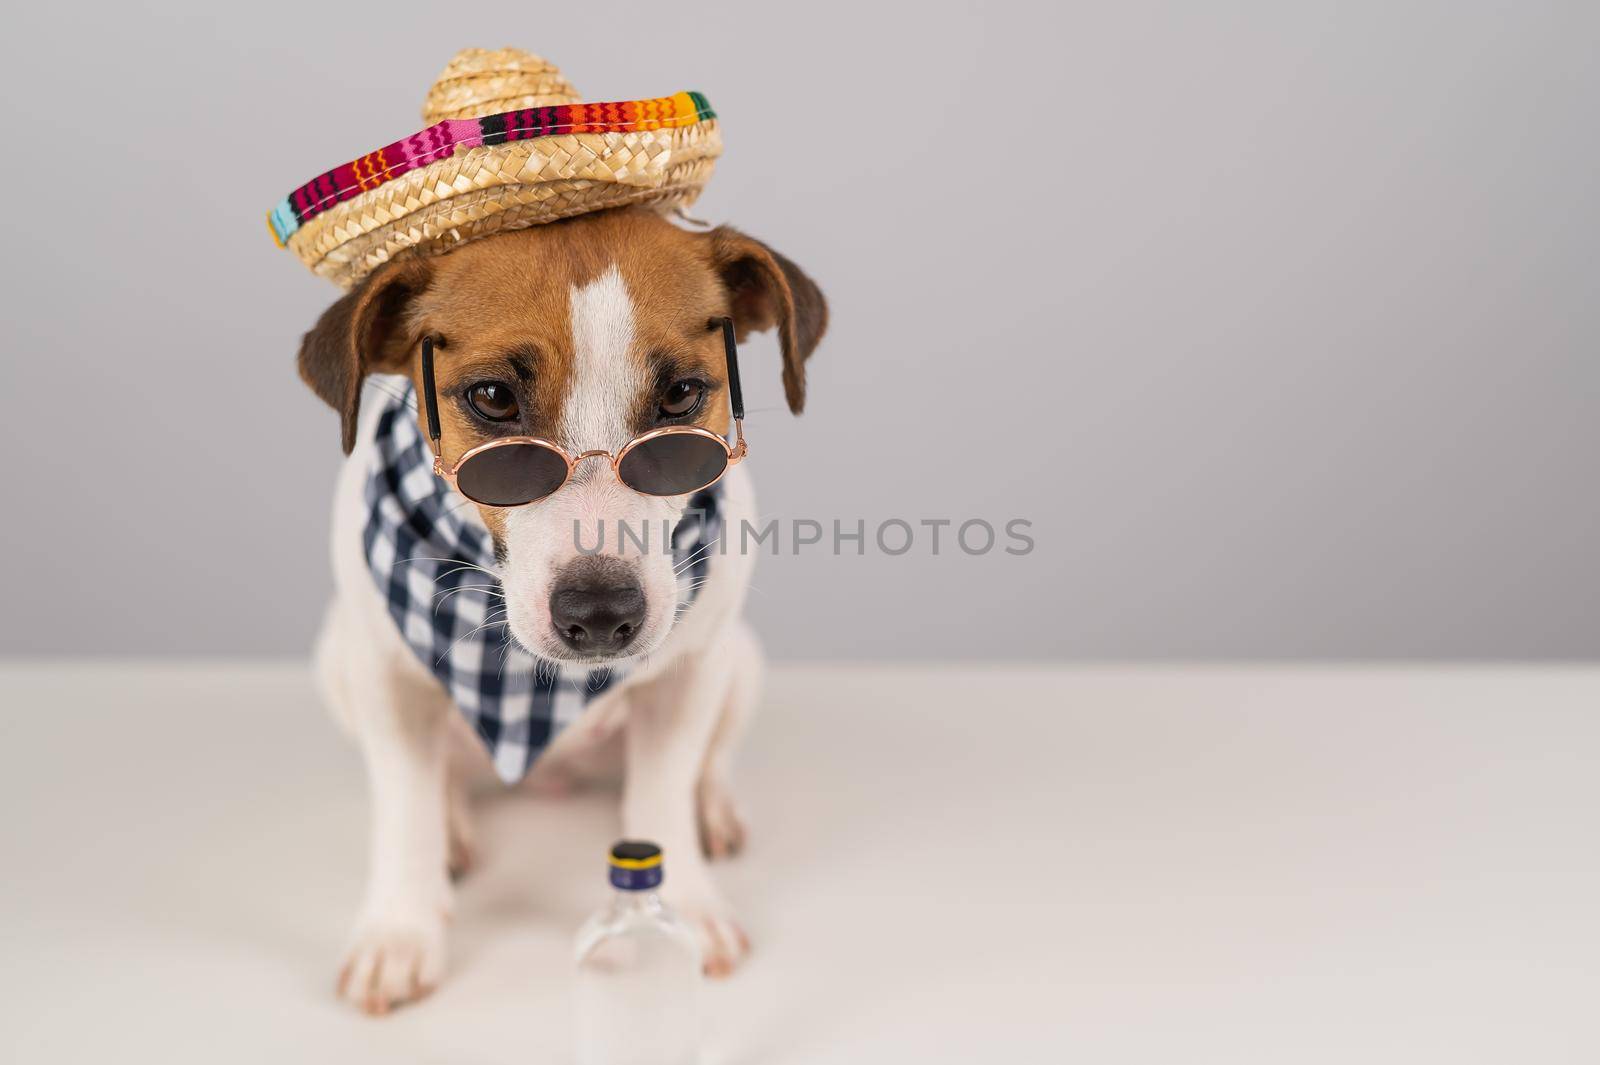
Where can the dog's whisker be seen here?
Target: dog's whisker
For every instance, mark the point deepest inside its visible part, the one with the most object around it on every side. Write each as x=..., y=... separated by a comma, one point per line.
x=487, y=624
x=695, y=555
x=505, y=650
x=463, y=636
x=493, y=582
x=406, y=398
x=491, y=588
x=435, y=558
x=469, y=569
x=704, y=547
x=442, y=596
x=463, y=564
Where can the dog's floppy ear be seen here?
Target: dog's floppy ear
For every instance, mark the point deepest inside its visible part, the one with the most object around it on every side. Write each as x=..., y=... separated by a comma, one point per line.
x=766, y=289
x=357, y=335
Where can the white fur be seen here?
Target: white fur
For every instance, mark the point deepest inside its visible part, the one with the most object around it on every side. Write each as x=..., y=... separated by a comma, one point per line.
x=679, y=712
x=606, y=380
x=542, y=540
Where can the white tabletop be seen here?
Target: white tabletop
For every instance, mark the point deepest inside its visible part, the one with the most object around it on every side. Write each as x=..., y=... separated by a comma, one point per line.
x=948, y=865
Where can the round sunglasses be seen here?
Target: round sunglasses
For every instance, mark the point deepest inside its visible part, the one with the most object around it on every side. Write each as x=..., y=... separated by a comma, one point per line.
x=514, y=471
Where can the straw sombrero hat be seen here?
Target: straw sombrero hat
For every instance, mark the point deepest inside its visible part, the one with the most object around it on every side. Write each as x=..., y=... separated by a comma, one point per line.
x=509, y=144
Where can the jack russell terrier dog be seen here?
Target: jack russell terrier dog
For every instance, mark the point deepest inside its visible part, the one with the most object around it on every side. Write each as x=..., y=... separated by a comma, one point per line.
x=584, y=333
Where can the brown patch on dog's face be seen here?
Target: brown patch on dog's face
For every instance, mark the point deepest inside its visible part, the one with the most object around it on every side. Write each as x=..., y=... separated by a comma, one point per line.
x=585, y=333
x=501, y=312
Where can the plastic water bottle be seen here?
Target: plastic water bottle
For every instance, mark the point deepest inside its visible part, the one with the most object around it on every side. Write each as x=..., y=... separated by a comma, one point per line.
x=638, y=994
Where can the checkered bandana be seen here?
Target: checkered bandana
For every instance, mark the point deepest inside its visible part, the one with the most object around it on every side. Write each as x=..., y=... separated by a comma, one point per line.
x=436, y=572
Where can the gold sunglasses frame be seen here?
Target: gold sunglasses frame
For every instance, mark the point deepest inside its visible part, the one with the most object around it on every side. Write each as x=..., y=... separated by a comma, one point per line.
x=735, y=452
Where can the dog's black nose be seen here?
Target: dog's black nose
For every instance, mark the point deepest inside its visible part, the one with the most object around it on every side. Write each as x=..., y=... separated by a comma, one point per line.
x=595, y=614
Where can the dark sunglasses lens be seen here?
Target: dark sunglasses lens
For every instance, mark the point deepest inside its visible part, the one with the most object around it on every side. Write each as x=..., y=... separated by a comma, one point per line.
x=673, y=464
x=511, y=475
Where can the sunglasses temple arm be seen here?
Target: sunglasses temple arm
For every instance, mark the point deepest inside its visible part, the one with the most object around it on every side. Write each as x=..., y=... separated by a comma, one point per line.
x=735, y=393
x=430, y=398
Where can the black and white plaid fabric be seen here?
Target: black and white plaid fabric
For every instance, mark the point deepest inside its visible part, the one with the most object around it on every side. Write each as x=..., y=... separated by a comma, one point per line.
x=436, y=571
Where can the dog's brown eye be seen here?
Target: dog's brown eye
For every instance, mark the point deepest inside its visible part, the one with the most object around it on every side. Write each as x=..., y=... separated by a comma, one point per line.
x=682, y=398
x=492, y=401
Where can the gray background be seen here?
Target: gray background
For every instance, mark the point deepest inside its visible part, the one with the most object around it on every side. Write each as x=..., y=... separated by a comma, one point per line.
x=1277, y=320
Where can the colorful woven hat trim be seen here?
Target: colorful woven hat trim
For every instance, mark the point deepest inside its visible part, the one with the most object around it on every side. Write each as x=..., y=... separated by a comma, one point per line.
x=442, y=139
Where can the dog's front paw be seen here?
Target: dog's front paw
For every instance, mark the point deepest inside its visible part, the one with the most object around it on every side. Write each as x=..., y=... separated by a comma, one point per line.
x=722, y=830
x=723, y=943
x=392, y=960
